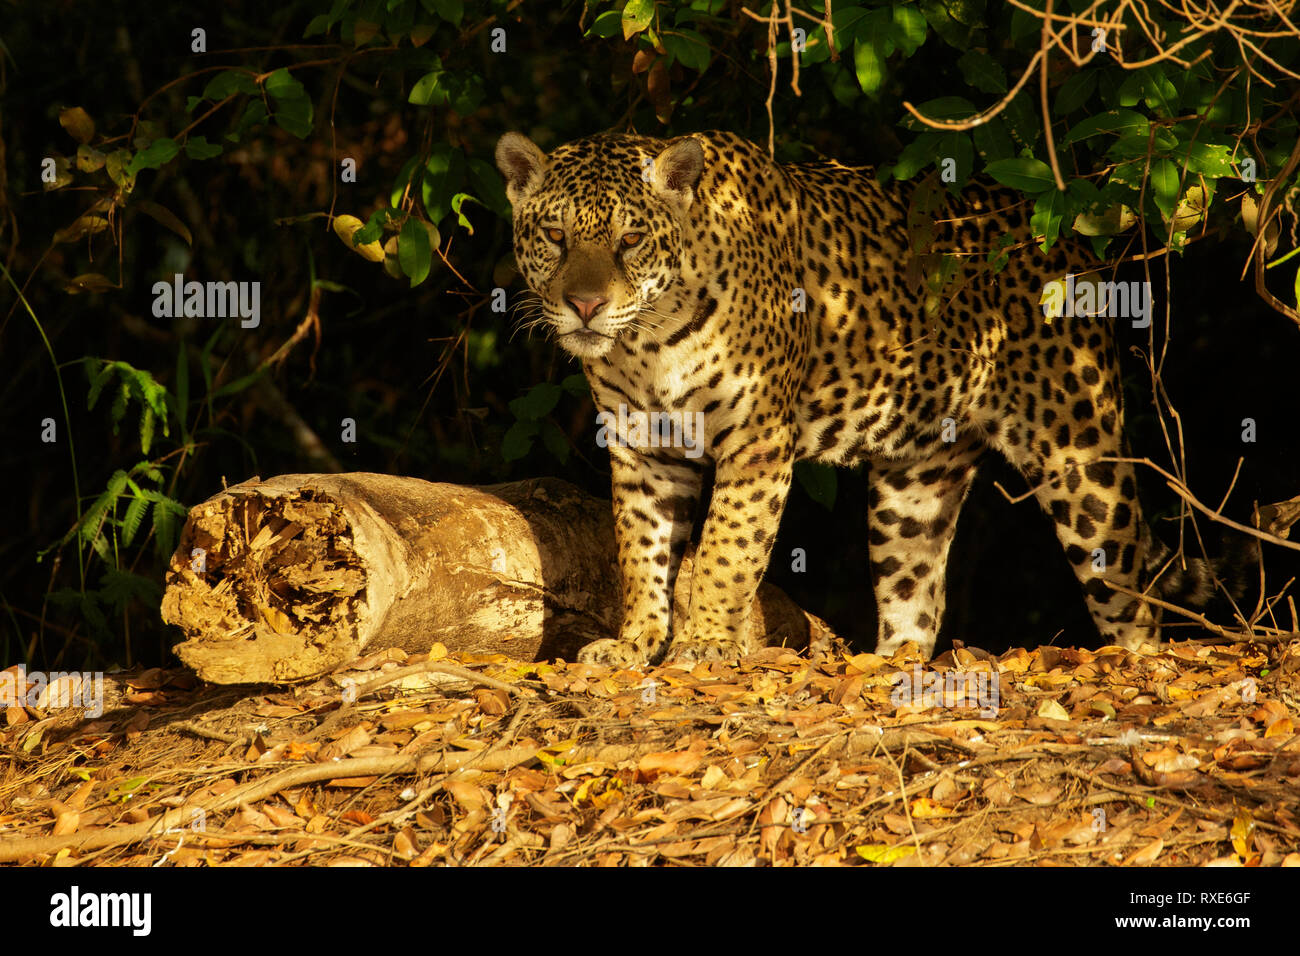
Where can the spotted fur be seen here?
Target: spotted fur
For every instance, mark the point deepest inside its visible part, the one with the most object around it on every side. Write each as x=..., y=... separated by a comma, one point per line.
x=787, y=303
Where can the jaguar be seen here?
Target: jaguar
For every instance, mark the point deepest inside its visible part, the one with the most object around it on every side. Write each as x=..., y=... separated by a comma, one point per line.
x=810, y=311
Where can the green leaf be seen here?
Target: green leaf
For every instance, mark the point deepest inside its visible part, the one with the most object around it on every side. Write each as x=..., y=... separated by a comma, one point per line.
x=1075, y=92
x=637, y=15
x=908, y=30
x=228, y=83
x=444, y=177
x=607, y=24
x=1114, y=122
x=157, y=153
x=166, y=217
x=868, y=65
x=453, y=11
x=295, y=117
x=116, y=165
x=992, y=141
x=238, y=385
x=133, y=518
x=982, y=72
x=374, y=227
x=148, y=470
x=847, y=22
x=518, y=440
x=1026, y=174
x=410, y=168
x=955, y=146
x=1049, y=211
x=689, y=48
x=488, y=185
x=316, y=25
x=1164, y=184
x=255, y=114
x=118, y=589
x=459, y=200
x=467, y=93
x=461, y=92
x=400, y=18
x=1160, y=93
x=1083, y=193
x=413, y=252
x=1001, y=252
x=90, y=531
x=555, y=441
x=844, y=86
x=118, y=410
x=1140, y=147
x=293, y=109
x=576, y=385
x=146, y=429
x=166, y=514
x=819, y=481
x=198, y=147
x=1130, y=91
x=916, y=155
x=86, y=604
x=426, y=91
x=954, y=20
x=98, y=379
x=1206, y=159
x=283, y=85
x=1023, y=24
x=537, y=402
x=1024, y=120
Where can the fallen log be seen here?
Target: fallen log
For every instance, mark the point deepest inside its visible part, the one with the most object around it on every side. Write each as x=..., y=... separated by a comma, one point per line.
x=289, y=578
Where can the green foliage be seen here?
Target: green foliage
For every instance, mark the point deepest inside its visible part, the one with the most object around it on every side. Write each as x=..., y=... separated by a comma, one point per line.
x=414, y=252
x=532, y=411
x=132, y=383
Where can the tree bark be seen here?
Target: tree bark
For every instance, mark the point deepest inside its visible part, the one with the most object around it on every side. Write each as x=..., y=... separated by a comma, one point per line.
x=290, y=578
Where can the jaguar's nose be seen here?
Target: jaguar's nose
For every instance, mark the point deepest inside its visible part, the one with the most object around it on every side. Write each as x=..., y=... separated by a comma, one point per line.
x=587, y=306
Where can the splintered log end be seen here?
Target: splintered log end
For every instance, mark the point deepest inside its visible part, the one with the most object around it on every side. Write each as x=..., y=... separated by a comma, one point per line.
x=267, y=587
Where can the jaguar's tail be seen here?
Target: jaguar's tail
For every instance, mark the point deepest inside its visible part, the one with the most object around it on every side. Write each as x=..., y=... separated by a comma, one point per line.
x=1194, y=582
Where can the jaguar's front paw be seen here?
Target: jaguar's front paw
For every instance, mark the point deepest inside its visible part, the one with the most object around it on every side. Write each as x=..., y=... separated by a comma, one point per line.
x=612, y=652
x=723, y=649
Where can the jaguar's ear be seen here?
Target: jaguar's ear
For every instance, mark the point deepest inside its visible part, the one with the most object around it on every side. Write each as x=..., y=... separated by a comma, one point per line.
x=677, y=171
x=522, y=164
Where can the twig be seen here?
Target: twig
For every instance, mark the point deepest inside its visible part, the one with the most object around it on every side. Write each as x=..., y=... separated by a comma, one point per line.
x=979, y=119
x=1045, y=47
x=1266, y=213
x=437, y=667
x=1235, y=638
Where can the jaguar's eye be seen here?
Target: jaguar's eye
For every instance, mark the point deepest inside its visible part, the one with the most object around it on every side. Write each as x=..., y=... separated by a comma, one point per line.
x=631, y=239
x=555, y=235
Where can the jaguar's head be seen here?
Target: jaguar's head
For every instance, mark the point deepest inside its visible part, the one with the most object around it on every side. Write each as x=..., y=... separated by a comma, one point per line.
x=599, y=228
